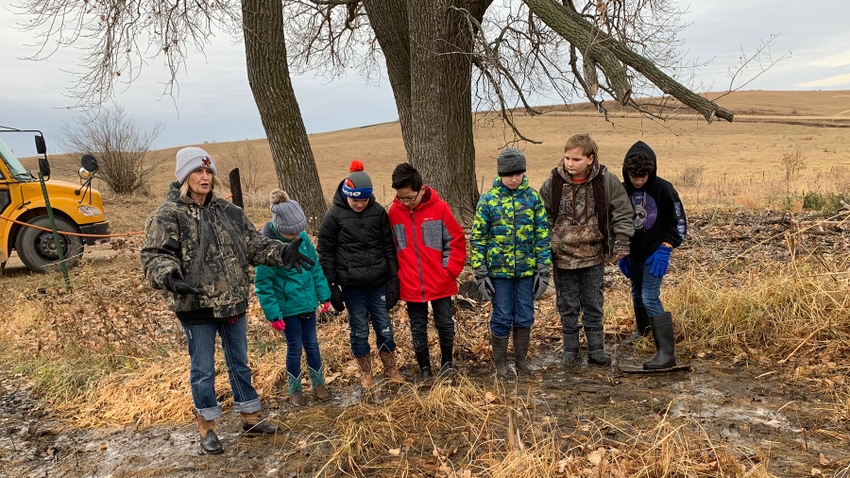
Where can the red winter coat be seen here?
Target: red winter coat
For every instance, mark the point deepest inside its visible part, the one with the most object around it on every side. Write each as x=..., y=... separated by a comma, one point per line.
x=431, y=248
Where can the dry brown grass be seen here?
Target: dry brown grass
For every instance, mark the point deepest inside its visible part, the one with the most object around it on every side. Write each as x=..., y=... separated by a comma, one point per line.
x=108, y=353
x=463, y=429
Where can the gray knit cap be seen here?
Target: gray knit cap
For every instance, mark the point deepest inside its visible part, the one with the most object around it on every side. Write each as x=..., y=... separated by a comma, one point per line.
x=287, y=215
x=511, y=161
x=190, y=159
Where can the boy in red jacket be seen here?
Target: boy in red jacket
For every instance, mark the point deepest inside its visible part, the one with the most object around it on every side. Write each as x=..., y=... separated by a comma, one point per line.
x=431, y=250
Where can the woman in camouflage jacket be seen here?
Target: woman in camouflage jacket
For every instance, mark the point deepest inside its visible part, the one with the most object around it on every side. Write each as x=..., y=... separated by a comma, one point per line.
x=198, y=249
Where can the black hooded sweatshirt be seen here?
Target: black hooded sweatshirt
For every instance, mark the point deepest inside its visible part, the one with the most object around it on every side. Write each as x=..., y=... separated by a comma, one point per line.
x=659, y=215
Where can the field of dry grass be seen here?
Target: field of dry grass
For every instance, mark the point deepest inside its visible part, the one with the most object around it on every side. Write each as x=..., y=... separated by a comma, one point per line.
x=760, y=300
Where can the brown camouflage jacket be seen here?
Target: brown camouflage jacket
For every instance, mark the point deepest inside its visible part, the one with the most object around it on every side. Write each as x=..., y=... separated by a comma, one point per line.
x=212, y=245
x=591, y=221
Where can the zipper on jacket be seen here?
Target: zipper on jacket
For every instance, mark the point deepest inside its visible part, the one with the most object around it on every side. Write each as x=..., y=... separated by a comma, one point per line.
x=416, y=253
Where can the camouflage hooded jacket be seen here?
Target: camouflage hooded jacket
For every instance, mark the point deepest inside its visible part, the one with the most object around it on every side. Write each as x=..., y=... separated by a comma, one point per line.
x=510, y=232
x=212, y=245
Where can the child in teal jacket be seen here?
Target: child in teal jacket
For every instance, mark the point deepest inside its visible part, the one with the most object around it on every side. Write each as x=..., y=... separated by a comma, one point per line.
x=289, y=298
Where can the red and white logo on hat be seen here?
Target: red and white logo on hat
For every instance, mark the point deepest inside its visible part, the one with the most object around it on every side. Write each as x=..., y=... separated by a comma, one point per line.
x=206, y=162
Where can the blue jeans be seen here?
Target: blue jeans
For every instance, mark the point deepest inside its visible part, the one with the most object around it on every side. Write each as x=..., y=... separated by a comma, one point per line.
x=300, y=335
x=513, y=305
x=580, y=292
x=363, y=304
x=646, y=288
x=234, y=342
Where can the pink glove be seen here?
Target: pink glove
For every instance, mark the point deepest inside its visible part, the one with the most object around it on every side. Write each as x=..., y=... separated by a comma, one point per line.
x=278, y=325
x=325, y=307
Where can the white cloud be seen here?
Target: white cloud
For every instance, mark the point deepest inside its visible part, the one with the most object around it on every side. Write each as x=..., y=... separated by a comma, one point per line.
x=837, y=80
x=839, y=59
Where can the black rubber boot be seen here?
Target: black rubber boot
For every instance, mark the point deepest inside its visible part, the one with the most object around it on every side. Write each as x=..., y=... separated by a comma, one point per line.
x=522, y=339
x=643, y=325
x=446, y=363
x=423, y=358
x=571, y=358
x=665, y=342
x=500, y=357
x=595, y=347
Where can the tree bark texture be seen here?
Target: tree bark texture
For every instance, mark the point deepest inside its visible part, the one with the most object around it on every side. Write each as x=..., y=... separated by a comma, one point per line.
x=429, y=67
x=268, y=76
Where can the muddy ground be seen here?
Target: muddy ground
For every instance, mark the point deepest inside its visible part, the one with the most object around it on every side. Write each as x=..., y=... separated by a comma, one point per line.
x=756, y=414
x=793, y=428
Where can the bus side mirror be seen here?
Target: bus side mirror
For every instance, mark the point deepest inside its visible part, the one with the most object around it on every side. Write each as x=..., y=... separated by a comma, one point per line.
x=89, y=162
x=43, y=165
x=39, y=145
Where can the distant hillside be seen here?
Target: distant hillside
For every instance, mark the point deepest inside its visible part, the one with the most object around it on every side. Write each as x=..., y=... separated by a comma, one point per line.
x=767, y=125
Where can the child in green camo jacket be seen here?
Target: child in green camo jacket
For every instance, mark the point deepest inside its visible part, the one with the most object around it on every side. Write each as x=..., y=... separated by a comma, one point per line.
x=510, y=255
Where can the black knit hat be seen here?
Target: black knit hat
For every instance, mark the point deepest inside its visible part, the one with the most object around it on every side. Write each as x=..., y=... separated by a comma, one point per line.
x=511, y=161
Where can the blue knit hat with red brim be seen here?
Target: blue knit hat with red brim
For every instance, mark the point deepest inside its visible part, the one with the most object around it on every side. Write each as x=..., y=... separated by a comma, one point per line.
x=358, y=184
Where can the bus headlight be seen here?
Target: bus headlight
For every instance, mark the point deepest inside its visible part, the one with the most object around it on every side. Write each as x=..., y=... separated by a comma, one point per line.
x=89, y=211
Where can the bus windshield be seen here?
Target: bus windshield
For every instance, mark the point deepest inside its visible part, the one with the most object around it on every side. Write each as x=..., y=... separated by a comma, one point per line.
x=15, y=167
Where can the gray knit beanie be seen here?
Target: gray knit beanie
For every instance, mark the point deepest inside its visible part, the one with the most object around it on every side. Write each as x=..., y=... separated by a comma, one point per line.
x=190, y=159
x=511, y=161
x=287, y=215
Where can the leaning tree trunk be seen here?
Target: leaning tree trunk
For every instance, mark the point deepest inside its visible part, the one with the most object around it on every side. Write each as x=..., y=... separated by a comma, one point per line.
x=268, y=75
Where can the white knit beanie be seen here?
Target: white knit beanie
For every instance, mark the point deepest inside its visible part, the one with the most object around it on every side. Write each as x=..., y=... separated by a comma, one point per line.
x=190, y=159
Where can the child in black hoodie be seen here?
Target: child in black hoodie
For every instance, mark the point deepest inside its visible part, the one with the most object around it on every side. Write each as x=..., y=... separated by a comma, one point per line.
x=660, y=226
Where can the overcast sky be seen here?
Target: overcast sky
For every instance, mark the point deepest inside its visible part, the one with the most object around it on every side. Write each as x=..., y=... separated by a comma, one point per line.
x=214, y=102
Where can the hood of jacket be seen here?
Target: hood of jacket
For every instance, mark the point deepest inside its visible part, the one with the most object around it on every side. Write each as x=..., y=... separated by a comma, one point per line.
x=640, y=148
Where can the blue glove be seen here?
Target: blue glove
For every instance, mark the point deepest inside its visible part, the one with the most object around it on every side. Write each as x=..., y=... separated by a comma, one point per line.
x=623, y=264
x=659, y=261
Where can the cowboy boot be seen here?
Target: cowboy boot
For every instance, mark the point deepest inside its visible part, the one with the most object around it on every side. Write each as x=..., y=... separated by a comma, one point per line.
x=643, y=325
x=296, y=397
x=317, y=378
x=522, y=339
x=366, y=380
x=500, y=357
x=390, y=370
x=595, y=347
x=665, y=342
x=253, y=423
x=571, y=349
x=446, y=363
x=423, y=358
x=209, y=440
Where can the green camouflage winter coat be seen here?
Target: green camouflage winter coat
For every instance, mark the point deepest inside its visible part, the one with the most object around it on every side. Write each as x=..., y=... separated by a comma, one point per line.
x=510, y=232
x=212, y=245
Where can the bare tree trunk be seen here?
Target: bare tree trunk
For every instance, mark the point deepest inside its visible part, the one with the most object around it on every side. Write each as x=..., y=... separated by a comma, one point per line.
x=389, y=19
x=461, y=189
x=426, y=45
x=268, y=75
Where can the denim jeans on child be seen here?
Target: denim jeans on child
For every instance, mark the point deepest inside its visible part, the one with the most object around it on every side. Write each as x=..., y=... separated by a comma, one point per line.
x=580, y=292
x=443, y=322
x=234, y=342
x=646, y=288
x=367, y=304
x=513, y=305
x=300, y=335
